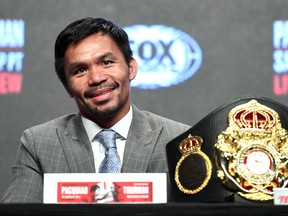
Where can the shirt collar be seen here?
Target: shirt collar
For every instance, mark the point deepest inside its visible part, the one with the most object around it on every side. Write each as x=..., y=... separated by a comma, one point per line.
x=121, y=127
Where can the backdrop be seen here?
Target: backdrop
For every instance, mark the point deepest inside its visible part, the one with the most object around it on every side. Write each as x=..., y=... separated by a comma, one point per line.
x=194, y=55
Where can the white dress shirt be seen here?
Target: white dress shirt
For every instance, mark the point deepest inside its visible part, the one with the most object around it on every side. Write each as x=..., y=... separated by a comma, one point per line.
x=121, y=127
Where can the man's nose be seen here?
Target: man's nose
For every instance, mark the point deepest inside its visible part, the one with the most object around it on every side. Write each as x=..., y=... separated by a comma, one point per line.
x=96, y=75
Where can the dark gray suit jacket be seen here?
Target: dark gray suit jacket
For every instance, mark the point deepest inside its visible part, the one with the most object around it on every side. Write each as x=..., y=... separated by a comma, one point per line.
x=62, y=146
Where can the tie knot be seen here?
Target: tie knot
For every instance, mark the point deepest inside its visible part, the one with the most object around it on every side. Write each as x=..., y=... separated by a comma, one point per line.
x=107, y=138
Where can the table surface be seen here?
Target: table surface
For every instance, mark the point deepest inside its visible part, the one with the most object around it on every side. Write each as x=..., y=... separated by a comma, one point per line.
x=143, y=209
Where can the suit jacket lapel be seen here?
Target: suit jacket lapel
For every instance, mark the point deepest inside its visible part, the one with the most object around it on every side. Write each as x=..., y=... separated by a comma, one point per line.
x=76, y=147
x=140, y=143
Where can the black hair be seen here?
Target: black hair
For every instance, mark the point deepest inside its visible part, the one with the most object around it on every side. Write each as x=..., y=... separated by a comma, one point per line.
x=94, y=188
x=82, y=28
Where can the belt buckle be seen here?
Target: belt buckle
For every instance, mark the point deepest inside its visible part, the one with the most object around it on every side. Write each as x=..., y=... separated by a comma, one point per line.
x=251, y=153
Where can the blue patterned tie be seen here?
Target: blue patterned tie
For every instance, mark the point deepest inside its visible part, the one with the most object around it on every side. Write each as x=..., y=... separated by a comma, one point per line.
x=111, y=163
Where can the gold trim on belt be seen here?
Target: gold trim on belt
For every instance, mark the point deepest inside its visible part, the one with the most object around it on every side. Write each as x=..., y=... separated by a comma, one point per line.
x=251, y=153
x=193, y=170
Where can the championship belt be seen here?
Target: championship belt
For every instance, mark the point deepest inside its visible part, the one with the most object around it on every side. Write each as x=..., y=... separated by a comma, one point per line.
x=252, y=152
x=193, y=170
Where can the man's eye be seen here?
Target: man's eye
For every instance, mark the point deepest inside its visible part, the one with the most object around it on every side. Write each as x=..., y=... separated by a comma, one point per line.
x=107, y=62
x=81, y=70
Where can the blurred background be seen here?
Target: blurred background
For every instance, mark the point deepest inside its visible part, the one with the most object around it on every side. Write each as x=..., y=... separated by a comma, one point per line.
x=194, y=56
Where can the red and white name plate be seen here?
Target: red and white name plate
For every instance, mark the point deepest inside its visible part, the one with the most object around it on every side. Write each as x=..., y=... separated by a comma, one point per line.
x=280, y=196
x=105, y=188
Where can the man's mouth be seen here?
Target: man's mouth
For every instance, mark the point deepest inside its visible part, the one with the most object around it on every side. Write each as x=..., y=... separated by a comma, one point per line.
x=102, y=92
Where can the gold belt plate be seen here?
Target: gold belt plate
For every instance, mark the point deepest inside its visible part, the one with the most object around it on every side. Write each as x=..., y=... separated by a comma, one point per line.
x=251, y=153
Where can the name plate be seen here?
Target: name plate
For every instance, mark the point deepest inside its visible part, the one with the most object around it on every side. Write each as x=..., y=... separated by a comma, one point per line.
x=280, y=196
x=105, y=188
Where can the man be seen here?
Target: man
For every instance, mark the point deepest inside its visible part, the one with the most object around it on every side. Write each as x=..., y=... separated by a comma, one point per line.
x=94, y=62
x=102, y=195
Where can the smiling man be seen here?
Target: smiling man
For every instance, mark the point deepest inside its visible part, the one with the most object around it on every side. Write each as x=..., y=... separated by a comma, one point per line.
x=94, y=62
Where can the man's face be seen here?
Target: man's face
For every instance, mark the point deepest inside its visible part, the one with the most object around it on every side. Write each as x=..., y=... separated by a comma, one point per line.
x=98, y=78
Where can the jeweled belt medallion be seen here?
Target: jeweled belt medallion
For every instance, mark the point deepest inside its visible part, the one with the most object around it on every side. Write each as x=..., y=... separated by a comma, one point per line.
x=251, y=153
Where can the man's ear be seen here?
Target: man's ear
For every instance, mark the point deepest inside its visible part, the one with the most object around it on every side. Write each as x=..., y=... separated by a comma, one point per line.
x=133, y=68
